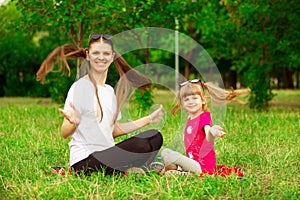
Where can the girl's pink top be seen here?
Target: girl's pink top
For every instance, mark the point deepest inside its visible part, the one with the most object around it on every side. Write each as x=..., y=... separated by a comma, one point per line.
x=196, y=145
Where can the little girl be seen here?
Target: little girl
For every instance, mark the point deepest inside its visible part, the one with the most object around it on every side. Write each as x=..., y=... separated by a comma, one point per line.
x=199, y=134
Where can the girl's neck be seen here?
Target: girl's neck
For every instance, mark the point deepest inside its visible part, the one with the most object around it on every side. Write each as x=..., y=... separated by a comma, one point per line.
x=195, y=115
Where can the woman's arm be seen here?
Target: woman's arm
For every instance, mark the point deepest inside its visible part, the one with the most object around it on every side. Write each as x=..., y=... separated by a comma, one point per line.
x=67, y=128
x=71, y=121
x=128, y=127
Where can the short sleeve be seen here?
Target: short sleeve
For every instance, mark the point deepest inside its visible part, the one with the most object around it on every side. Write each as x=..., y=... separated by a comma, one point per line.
x=205, y=120
x=119, y=116
x=70, y=98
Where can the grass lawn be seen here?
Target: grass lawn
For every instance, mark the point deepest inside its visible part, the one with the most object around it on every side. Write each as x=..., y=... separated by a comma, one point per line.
x=264, y=144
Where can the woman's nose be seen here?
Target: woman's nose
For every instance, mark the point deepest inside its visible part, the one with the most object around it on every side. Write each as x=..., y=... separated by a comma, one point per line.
x=101, y=56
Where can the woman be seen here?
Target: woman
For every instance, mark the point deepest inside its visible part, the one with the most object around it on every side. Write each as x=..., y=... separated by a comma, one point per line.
x=92, y=111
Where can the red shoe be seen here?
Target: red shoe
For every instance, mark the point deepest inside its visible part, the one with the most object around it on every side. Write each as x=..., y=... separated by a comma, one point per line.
x=60, y=170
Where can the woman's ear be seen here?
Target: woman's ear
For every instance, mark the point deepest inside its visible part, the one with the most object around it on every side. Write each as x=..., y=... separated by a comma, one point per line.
x=113, y=55
x=87, y=55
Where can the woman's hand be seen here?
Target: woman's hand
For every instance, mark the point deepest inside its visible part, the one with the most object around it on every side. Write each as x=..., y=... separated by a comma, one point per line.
x=73, y=116
x=157, y=115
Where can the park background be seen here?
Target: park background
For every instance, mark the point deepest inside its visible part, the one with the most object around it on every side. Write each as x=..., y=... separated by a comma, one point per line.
x=254, y=44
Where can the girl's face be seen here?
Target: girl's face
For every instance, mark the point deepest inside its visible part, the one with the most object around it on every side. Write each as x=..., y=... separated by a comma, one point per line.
x=100, y=56
x=192, y=104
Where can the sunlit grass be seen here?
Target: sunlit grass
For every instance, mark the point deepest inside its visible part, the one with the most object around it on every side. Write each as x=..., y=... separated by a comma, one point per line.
x=264, y=144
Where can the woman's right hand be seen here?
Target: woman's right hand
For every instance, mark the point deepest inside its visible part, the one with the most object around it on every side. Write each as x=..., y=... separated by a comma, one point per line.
x=73, y=115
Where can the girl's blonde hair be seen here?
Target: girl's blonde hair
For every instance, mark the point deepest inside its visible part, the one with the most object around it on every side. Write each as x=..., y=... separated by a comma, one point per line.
x=215, y=93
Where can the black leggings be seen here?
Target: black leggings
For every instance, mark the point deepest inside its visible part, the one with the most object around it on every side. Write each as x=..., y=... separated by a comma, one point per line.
x=137, y=151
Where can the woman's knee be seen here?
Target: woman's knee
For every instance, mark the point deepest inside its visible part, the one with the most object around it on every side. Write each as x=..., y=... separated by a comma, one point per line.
x=154, y=137
x=152, y=133
x=157, y=141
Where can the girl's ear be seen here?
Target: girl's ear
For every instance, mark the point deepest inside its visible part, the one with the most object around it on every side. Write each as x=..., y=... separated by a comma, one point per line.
x=204, y=100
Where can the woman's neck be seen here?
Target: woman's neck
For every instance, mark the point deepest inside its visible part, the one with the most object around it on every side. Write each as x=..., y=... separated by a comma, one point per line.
x=100, y=78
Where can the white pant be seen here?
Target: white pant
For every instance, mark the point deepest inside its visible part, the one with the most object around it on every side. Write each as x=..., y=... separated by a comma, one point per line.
x=187, y=164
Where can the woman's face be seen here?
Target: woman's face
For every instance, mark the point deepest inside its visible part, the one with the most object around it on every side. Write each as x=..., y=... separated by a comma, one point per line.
x=100, y=56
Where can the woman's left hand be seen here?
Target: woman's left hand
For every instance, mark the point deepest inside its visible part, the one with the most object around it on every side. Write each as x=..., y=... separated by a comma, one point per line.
x=157, y=115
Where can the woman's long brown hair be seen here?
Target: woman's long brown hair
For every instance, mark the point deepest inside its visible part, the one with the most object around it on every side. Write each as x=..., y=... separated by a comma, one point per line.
x=128, y=76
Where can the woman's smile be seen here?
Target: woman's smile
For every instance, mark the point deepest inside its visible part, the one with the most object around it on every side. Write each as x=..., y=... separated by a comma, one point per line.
x=100, y=57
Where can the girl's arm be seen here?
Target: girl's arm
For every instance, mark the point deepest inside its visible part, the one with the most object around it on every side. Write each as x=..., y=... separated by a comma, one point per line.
x=128, y=127
x=212, y=132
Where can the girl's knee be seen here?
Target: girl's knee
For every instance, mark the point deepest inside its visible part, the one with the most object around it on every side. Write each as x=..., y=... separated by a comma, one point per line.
x=165, y=152
x=169, y=156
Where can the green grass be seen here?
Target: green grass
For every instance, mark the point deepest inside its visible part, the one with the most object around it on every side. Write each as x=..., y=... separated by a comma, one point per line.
x=265, y=145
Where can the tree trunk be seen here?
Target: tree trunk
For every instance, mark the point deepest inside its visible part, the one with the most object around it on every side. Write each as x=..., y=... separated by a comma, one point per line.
x=80, y=45
x=288, y=78
x=147, y=55
x=158, y=76
x=232, y=79
x=279, y=80
x=297, y=79
x=186, y=69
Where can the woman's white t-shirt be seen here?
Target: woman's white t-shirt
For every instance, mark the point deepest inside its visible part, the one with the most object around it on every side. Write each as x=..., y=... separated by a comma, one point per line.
x=91, y=135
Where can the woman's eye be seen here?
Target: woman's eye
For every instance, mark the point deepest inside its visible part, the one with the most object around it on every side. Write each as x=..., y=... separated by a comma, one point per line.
x=95, y=54
x=107, y=53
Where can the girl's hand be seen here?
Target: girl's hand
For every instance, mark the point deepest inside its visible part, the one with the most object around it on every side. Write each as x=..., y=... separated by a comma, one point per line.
x=217, y=131
x=156, y=116
x=73, y=116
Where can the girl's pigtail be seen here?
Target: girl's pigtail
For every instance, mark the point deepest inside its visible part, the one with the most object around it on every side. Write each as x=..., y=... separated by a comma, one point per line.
x=217, y=94
x=236, y=93
x=60, y=56
x=176, y=108
x=221, y=96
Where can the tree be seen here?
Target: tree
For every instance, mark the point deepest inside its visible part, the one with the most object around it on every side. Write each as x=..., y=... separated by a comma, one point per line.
x=74, y=17
x=258, y=32
x=18, y=56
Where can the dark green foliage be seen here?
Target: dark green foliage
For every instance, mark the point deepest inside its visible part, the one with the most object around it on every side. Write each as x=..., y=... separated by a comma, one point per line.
x=142, y=100
x=260, y=33
x=261, y=94
x=59, y=86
